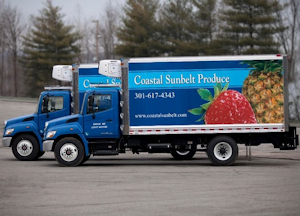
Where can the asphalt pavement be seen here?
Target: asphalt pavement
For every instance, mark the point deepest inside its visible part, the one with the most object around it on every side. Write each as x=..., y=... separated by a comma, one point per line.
x=148, y=184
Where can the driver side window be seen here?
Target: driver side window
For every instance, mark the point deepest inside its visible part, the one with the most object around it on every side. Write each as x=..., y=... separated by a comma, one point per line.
x=98, y=103
x=52, y=104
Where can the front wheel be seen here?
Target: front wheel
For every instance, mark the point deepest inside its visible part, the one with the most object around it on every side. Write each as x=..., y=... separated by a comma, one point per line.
x=184, y=154
x=85, y=159
x=69, y=151
x=25, y=147
x=222, y=151
x=40, y=154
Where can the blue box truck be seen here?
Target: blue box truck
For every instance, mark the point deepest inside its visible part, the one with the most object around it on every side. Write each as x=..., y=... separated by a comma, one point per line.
x=179, y=105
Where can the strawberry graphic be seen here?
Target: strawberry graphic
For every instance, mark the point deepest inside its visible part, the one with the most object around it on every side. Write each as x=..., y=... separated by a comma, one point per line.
x=226, y=107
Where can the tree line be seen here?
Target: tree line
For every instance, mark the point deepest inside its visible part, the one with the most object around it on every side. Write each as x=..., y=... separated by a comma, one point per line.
x=144, y=28
x=199, y=27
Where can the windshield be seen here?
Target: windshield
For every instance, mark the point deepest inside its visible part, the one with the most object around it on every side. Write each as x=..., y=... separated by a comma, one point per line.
x=38, y=105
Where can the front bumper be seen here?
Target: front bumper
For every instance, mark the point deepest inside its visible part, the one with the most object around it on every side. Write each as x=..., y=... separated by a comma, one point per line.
x=6, y=141
x=47, y=145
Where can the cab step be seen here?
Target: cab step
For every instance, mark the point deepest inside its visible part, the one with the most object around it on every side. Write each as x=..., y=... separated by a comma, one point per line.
x=105, y=152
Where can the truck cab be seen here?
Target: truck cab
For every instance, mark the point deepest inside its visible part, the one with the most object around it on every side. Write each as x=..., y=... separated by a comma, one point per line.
x=24, y=134
x=96, y=129
x=101, y=114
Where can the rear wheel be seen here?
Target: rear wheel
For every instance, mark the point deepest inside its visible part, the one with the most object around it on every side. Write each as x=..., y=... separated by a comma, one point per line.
x=69, y=151
x=25, y=147
x=222, y=151
x=184, y=154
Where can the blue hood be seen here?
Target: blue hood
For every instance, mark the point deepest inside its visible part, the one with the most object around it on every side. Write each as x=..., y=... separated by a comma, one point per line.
x=19, y=119
x=64, y=120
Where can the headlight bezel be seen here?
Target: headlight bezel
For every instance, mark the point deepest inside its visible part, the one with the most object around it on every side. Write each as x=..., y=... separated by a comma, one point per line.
x=50, y=134
x=9, y=131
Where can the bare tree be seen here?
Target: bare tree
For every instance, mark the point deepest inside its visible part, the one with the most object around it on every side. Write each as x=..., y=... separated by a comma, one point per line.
x=289, y=36
x=14, y=30
x=10, y=45
x=105, y=34
x=289, y=40
x=86, y=41
x=108, y=29
x=2, y=46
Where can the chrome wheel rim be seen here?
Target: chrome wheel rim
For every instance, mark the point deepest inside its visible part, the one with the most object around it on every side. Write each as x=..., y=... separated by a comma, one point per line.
x=68, y=152
x=24, y=148
x=223, y=151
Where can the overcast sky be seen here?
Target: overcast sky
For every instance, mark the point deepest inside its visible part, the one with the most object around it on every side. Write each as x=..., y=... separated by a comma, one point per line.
x=88, y=8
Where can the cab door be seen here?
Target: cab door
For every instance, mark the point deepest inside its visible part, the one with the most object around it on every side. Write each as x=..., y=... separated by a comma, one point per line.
x=52, y=107
x=100, y=119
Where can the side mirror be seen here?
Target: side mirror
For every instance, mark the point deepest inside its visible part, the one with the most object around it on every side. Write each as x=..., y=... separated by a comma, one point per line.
x=90, y=108
x=45, y=105
x=52, y=104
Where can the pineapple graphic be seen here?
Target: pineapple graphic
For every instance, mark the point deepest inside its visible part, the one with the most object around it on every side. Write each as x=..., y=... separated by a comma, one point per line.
x=263, y=88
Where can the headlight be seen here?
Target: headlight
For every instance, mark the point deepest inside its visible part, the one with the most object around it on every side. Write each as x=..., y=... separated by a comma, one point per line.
x=9, y=131
x=50, y=134
x=4, y=123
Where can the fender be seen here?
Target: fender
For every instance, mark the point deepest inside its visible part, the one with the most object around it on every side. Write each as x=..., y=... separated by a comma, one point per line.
x=25, y=127
x=69, y=129
x=85, y=144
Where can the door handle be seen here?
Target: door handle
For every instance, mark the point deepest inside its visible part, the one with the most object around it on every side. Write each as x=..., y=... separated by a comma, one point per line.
x=109, y=120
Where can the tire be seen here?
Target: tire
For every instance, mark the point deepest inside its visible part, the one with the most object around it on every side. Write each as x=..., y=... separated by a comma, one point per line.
x=85, y=159
x=25, y=147
x=40, y=154
x=184, y=154
x=222, y=151
x=69, y=151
